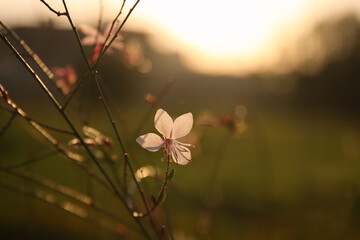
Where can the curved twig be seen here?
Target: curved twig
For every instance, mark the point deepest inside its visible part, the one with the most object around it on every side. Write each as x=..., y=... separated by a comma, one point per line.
x=8, y=124
x=66, y=206
x=160, y=197
x=58, y=13
x=32, y=160
x=113, y=123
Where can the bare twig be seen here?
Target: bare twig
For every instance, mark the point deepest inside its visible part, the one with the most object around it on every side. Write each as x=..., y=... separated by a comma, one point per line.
x=40, y=123
x=74, y=91
x=164, y=91
x=34, y=56
x=66, y=206
x=30, y=70
x=32, y=160
x=70, y=193
x=69, y=122
x=113, y=123
x=38, y=128
x=117, y=32
x=160, y=197
x=111, y=28
x=101, y=11
x=8, y=124
x=102, y=51
x=73, y=157
x=215, y=169
x=67, y=119
x=49, y=127
x=58, y=13
x=59, y=188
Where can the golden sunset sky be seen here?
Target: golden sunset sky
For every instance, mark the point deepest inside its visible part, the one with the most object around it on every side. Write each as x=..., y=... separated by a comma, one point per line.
x=228, y=37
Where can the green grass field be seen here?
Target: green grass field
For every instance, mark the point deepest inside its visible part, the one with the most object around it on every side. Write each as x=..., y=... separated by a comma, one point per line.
x=291, y=175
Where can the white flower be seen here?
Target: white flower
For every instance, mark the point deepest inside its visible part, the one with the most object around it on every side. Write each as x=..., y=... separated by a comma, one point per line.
x=170, y=131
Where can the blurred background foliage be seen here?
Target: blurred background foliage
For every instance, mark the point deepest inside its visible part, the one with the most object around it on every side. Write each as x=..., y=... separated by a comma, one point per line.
x=292, y=173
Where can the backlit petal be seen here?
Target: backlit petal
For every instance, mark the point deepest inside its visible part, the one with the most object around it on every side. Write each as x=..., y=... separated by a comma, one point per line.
x=182, y=125
x=117, y=45
x=90, y=34
x=151, y=142
x=59, y=72
x=88, y=30
x=163, y=123
x=89, y=40
x=180, y=155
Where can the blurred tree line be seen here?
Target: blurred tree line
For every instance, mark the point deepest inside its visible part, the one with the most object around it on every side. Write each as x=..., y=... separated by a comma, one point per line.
x=337, y=83
x=327, y=77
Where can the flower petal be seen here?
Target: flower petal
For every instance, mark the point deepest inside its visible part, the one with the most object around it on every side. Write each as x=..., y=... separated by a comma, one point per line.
x=180, y=155
x=163, y=123
x=182, y=125
x=90, y=34
x=89, y=40
x=118, y=45
x=59, y=72
x=151, y=142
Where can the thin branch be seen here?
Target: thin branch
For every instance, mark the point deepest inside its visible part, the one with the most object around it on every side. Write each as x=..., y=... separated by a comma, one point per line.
x=49, y=127
x=67, y=119
x=30, y=70
x=74, y=91
x=66, y=206
x=70, y=193
x=111, y=28
x=38, y=128
x=32, y=160
x=113, y=123
x=70, y=123
x=65, y=115
x=56, y=187
x=215, y=169
x=58, y=13
x=40, y=123
x=168, y=220
x=32, y=54
x=164, y=91
x=73, y=157
x=53, y=141
x=8, y=124
x=117, y=32
x=161, y=193
x=34, y=124
x=102, y=51
x=101, y=12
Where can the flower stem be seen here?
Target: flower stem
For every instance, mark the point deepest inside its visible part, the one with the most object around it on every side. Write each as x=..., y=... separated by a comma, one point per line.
x=162, y=190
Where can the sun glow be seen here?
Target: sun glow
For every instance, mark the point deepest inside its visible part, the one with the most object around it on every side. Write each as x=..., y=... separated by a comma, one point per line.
x=231, y=37
x=212, y=32
x=233, y=27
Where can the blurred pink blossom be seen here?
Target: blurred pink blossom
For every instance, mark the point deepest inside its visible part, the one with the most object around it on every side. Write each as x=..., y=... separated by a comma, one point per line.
x=94, y=37
x=235, y=122
x=65, y=78
x=133, y=54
